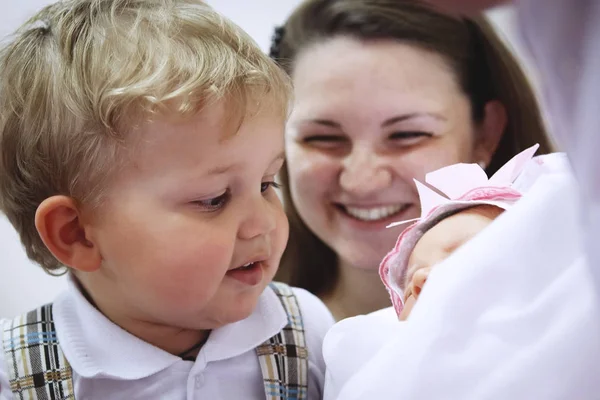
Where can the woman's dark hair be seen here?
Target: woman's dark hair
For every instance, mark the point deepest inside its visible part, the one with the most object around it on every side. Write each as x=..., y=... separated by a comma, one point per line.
x=485, y=68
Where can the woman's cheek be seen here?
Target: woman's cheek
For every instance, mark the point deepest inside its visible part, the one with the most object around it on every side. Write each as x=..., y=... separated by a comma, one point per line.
x=312, y=174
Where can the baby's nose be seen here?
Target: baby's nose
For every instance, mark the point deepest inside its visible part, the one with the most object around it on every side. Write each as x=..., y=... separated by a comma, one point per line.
x=418, y=280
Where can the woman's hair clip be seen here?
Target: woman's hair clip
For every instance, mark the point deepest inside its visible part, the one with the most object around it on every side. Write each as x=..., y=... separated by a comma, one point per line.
x=276, y=42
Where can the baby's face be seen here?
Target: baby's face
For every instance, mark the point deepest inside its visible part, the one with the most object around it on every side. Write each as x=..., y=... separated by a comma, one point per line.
x=195, y=205
x=438, y=243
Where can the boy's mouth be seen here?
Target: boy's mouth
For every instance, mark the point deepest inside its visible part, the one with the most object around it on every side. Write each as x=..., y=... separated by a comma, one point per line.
x=247, y=266
x=250, y=273
x=251, y=262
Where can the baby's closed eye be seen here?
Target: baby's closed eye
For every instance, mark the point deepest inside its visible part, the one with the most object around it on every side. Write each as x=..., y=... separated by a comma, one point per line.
x=451, y=233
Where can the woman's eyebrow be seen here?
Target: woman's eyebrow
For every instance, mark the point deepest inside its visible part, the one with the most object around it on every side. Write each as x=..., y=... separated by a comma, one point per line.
x=404, y=117
x=324, y=122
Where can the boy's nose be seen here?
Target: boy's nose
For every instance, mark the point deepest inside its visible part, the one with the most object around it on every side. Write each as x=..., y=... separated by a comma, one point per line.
x=259, y=219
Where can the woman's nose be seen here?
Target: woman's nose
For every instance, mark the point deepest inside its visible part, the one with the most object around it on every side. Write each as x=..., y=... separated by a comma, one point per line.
x=364, y=173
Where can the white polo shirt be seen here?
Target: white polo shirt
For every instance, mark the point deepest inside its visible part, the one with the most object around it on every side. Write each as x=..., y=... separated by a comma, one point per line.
x=110, y=363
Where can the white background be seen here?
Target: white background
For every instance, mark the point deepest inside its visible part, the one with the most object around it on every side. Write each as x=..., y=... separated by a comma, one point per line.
x=24, y=285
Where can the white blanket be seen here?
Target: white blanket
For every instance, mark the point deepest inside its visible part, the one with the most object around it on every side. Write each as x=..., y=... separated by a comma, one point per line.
x=511, y=315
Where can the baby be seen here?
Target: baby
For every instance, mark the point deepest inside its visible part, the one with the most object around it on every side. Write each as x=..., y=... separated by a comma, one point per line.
x=139, y=144
x=457, y=203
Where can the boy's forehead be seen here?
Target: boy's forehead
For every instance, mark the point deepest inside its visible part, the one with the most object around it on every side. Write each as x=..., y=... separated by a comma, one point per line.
x=222, y=117
x=216, y=124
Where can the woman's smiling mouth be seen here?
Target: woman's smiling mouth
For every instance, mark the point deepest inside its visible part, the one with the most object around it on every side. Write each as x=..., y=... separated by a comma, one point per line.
x=373, y=213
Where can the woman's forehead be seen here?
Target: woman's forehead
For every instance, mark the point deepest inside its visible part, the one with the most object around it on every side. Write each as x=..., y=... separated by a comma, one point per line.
x=384, y=73
x=376, y=58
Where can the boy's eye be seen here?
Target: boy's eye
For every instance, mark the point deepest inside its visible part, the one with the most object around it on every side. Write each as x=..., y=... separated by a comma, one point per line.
x=214, y=203
x=266, y=185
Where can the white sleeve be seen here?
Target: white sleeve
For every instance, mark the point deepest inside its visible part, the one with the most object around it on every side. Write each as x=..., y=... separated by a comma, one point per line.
x=317, y=321
x=562, y=36
x=5, y=392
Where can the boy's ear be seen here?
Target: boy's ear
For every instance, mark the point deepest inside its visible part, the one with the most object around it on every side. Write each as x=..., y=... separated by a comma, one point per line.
x=490, y=132
x=59, y=225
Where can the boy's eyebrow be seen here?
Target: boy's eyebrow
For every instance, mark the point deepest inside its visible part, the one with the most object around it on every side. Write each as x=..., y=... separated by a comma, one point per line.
x=221, y=169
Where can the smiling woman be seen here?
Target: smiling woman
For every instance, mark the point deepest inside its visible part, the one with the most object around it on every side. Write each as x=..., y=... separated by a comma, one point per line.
x=385, y=91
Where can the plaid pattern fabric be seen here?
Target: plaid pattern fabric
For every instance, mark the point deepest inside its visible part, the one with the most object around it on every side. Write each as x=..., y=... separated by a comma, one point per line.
x=37, y=367
x=284, y=358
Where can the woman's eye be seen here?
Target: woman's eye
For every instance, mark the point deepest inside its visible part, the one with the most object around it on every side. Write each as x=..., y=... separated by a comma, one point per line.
x=406, y=138
x=214, y=203
x=266, y=185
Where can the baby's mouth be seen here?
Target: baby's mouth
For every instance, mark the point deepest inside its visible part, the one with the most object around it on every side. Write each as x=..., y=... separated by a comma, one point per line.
x=371, y=214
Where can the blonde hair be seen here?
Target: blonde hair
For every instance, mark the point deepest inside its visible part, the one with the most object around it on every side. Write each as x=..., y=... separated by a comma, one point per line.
x=79, y=74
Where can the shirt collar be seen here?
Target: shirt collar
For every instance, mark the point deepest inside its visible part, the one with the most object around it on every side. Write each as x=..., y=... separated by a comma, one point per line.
x=95, y=346
x=234, y=339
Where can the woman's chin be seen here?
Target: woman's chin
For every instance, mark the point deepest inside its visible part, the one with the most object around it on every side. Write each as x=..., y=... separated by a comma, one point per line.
x=365, y=251
x=363, y=255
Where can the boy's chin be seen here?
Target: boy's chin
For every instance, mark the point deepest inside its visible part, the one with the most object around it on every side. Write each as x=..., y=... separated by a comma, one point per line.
x=226, y=308
x=235, y=310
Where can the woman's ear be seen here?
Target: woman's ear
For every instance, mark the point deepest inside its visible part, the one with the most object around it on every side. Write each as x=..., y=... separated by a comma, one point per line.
x=59, y=224
x=489, y=132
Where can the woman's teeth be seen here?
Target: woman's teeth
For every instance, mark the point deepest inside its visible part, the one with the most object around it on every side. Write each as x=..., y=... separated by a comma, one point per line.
x=375, y=213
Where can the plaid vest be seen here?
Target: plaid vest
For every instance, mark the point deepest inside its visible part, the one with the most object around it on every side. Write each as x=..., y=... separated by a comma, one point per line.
x=38, y=369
